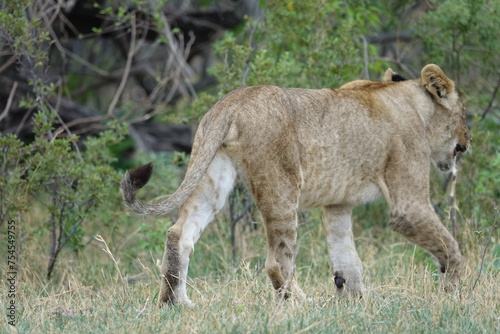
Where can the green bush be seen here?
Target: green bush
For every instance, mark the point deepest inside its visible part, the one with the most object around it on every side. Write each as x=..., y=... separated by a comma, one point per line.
x=71, y=184
x=323, y=49
x=310, y=44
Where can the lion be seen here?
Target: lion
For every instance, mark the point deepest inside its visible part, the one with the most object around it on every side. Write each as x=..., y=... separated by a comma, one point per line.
x=309, y=148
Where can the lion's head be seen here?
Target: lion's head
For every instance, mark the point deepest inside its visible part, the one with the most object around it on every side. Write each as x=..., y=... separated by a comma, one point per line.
x=448, y=132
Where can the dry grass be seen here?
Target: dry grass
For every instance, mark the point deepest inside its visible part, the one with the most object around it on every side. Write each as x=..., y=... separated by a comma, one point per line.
x=90, y=292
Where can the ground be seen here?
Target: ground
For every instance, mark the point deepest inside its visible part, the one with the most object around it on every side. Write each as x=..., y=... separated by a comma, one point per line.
x=91, y=292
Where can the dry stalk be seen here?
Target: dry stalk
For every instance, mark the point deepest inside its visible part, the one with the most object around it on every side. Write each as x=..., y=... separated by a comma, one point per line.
x=143, y=309
x=486, y=245
x=453, y=204
x=108, y=251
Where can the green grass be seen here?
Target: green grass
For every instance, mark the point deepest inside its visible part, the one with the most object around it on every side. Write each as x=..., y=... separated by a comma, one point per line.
x=90, y=291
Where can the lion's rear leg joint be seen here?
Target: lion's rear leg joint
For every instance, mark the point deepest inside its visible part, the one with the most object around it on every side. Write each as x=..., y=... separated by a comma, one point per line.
x=282, y=236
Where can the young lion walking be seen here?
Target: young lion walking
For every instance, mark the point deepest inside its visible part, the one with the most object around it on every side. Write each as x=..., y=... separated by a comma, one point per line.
x=308, y=148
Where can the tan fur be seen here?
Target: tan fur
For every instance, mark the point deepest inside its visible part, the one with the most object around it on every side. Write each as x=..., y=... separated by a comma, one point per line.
x=307, y=148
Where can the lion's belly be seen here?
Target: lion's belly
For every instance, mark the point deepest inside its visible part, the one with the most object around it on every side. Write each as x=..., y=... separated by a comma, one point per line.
x=343, y=170
x=349, y=190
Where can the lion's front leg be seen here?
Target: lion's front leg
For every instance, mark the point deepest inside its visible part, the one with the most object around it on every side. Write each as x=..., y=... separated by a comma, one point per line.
x=346, y=265
x=412, y=215
x=421, y=225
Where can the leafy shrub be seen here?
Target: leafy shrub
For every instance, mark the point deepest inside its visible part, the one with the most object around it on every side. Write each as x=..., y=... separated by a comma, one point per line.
x=324, y=49
x=71, y=184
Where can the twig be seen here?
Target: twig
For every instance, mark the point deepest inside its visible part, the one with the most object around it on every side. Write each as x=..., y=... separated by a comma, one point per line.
x=143, y=309
x=57, y=10
x=94, y=127
x=280, y=303
x=108, y=251
x=493, y=96
x=175, y=49
x=68, y=24
x=148, y=115
x=23, y=121
x=53, y=234
x=64, y=52
x=9, y=62
x=76, y=57
x=484, y=254
x=308, y=328
x=235, y=220
x=253, y=48
x=453, y=218
x=365, y=56
x=93, y=119
x=128, y=65
x=9, y=101
x=63, y=125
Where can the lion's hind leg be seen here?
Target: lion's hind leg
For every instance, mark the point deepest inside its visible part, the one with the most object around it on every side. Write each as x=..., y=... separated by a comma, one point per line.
x=346, y=265
x=282, y=248
x=277, y=200
x=194, y=216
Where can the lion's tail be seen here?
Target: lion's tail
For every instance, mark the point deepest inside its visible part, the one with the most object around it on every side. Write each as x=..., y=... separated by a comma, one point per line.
x=208, y=139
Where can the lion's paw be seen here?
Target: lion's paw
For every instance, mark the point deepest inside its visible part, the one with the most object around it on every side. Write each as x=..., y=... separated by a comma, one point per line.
x=349, y=284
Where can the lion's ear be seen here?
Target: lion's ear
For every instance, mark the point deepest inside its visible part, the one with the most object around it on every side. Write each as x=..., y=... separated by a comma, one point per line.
x=436, y=82
x=388, y=75
x=391, y=76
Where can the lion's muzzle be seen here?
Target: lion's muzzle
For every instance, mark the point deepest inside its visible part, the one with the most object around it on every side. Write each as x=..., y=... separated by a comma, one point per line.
x=459, y=148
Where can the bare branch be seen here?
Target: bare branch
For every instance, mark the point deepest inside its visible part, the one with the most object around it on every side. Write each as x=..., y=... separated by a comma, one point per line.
x=93, y=119
x=23, y=121
x=178, y=55
x=169, y=97
x=128, y=65
x=9, y=62
x=253, y=47
x=493, y=97
x=9, y=101
x=365, y=56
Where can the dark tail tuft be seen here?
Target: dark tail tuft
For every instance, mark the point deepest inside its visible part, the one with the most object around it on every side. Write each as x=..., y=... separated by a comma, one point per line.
x=135, y=179
x=139, y=176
